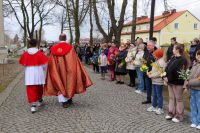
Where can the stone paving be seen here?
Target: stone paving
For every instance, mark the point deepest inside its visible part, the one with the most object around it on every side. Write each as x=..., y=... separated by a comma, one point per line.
x=105, y=107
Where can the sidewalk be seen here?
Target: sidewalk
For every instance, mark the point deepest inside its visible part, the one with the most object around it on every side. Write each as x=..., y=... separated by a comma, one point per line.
x=105, y=107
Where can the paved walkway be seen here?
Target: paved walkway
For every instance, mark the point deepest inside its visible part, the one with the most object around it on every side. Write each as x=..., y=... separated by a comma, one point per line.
x=106, y=107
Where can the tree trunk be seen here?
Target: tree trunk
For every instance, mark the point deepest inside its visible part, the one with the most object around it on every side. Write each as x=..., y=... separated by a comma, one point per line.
x=40, y=33
x=117, y=26
x=62, y=23
x=24, y=25
x=69, y=22
x=134, y=21
x=91, y=25
x=107, y=38
x=76, y=21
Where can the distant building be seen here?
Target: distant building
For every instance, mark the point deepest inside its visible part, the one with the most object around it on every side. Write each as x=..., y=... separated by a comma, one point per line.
x=183, y=25
x=85, y=40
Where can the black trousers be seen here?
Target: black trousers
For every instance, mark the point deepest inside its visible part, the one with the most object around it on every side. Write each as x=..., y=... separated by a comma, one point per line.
x=132, y=75
x=96, y=68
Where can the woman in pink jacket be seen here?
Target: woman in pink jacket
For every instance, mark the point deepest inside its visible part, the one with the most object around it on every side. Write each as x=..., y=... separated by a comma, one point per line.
x=112, y=52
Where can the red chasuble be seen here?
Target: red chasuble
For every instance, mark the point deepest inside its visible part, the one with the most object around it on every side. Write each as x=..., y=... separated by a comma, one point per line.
x=65, y=74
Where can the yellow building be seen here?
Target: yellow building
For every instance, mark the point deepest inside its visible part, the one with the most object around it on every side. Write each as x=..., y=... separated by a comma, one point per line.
x=182, y=25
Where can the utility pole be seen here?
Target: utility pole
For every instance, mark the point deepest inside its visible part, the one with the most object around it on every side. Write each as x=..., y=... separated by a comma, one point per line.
x=134, y=21
x=152, y=18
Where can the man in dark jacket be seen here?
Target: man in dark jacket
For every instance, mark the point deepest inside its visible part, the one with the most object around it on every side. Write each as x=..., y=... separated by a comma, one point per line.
x=149, y=59
x=88, y=54
x=170, y=48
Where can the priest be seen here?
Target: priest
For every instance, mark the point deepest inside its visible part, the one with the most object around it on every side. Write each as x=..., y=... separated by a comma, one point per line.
x=65, y=74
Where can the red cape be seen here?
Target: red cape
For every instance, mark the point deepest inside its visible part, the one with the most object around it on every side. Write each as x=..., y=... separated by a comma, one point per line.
x=61, y=49
x=65, y=73
x=36, y=59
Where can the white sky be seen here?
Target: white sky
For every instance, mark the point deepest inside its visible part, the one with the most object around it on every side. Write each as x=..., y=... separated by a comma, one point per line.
x=52, y=32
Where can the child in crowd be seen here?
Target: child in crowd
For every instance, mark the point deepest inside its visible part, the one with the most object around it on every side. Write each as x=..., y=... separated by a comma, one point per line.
x=103, y=63
x=194, y=85
x=95, y=62
x=155, y=74
x=34, y=62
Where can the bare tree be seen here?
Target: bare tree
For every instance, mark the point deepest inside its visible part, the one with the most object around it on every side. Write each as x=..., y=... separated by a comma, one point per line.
x=17, y=8
x=146, y=4
x=76, y=9
x=32, y=13
x=43, y=8
x=134, y=21
x=107, y=37
x=116, y=25
x=6, y=9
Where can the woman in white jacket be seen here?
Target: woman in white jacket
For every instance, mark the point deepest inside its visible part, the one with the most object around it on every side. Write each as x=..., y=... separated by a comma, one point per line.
x=129, y=64
x=138, y=63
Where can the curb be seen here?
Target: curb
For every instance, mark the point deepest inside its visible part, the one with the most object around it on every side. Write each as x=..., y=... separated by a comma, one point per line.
x=5, y=94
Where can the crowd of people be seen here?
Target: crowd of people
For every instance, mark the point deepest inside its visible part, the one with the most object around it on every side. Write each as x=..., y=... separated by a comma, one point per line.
x=154, y=68
x=177, y=68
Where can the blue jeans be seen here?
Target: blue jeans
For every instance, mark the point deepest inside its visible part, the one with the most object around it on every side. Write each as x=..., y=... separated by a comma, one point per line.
x=157, y=96
x=103, y=69
x=195, y=106
x=140, y=79
x=148, y=84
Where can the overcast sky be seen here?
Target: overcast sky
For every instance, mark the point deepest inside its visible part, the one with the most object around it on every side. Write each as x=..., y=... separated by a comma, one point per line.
x=52, y=32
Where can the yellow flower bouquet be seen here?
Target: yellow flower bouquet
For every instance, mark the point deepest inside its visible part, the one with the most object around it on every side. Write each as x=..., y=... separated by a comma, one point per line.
x=122, y=63
x=144, y=68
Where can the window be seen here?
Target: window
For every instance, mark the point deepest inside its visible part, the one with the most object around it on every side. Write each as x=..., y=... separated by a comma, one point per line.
x=176, y=26
x=195, y=26
x=139, y=27
x=128, y=29
x=147, y=26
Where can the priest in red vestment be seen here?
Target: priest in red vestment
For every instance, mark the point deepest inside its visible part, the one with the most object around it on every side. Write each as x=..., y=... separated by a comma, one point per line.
x=65, y=74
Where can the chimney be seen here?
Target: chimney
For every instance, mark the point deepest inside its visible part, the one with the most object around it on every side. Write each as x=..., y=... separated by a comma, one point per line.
x=173, y=11
x=165, y=13
x=138, y=18
x=141, y=18
x=144, y=17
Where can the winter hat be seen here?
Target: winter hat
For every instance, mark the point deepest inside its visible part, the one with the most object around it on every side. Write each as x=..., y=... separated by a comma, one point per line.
x=158, y=53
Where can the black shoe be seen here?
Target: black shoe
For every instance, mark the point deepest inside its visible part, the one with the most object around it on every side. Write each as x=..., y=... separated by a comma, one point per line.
x=118, y=82
x=131, y=85
x=146, y=102
x=121, y=83
x=70, y=101
x=65, y=104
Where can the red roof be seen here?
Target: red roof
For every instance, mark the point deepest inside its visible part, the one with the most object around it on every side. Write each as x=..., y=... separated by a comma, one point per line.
x=168, y=18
